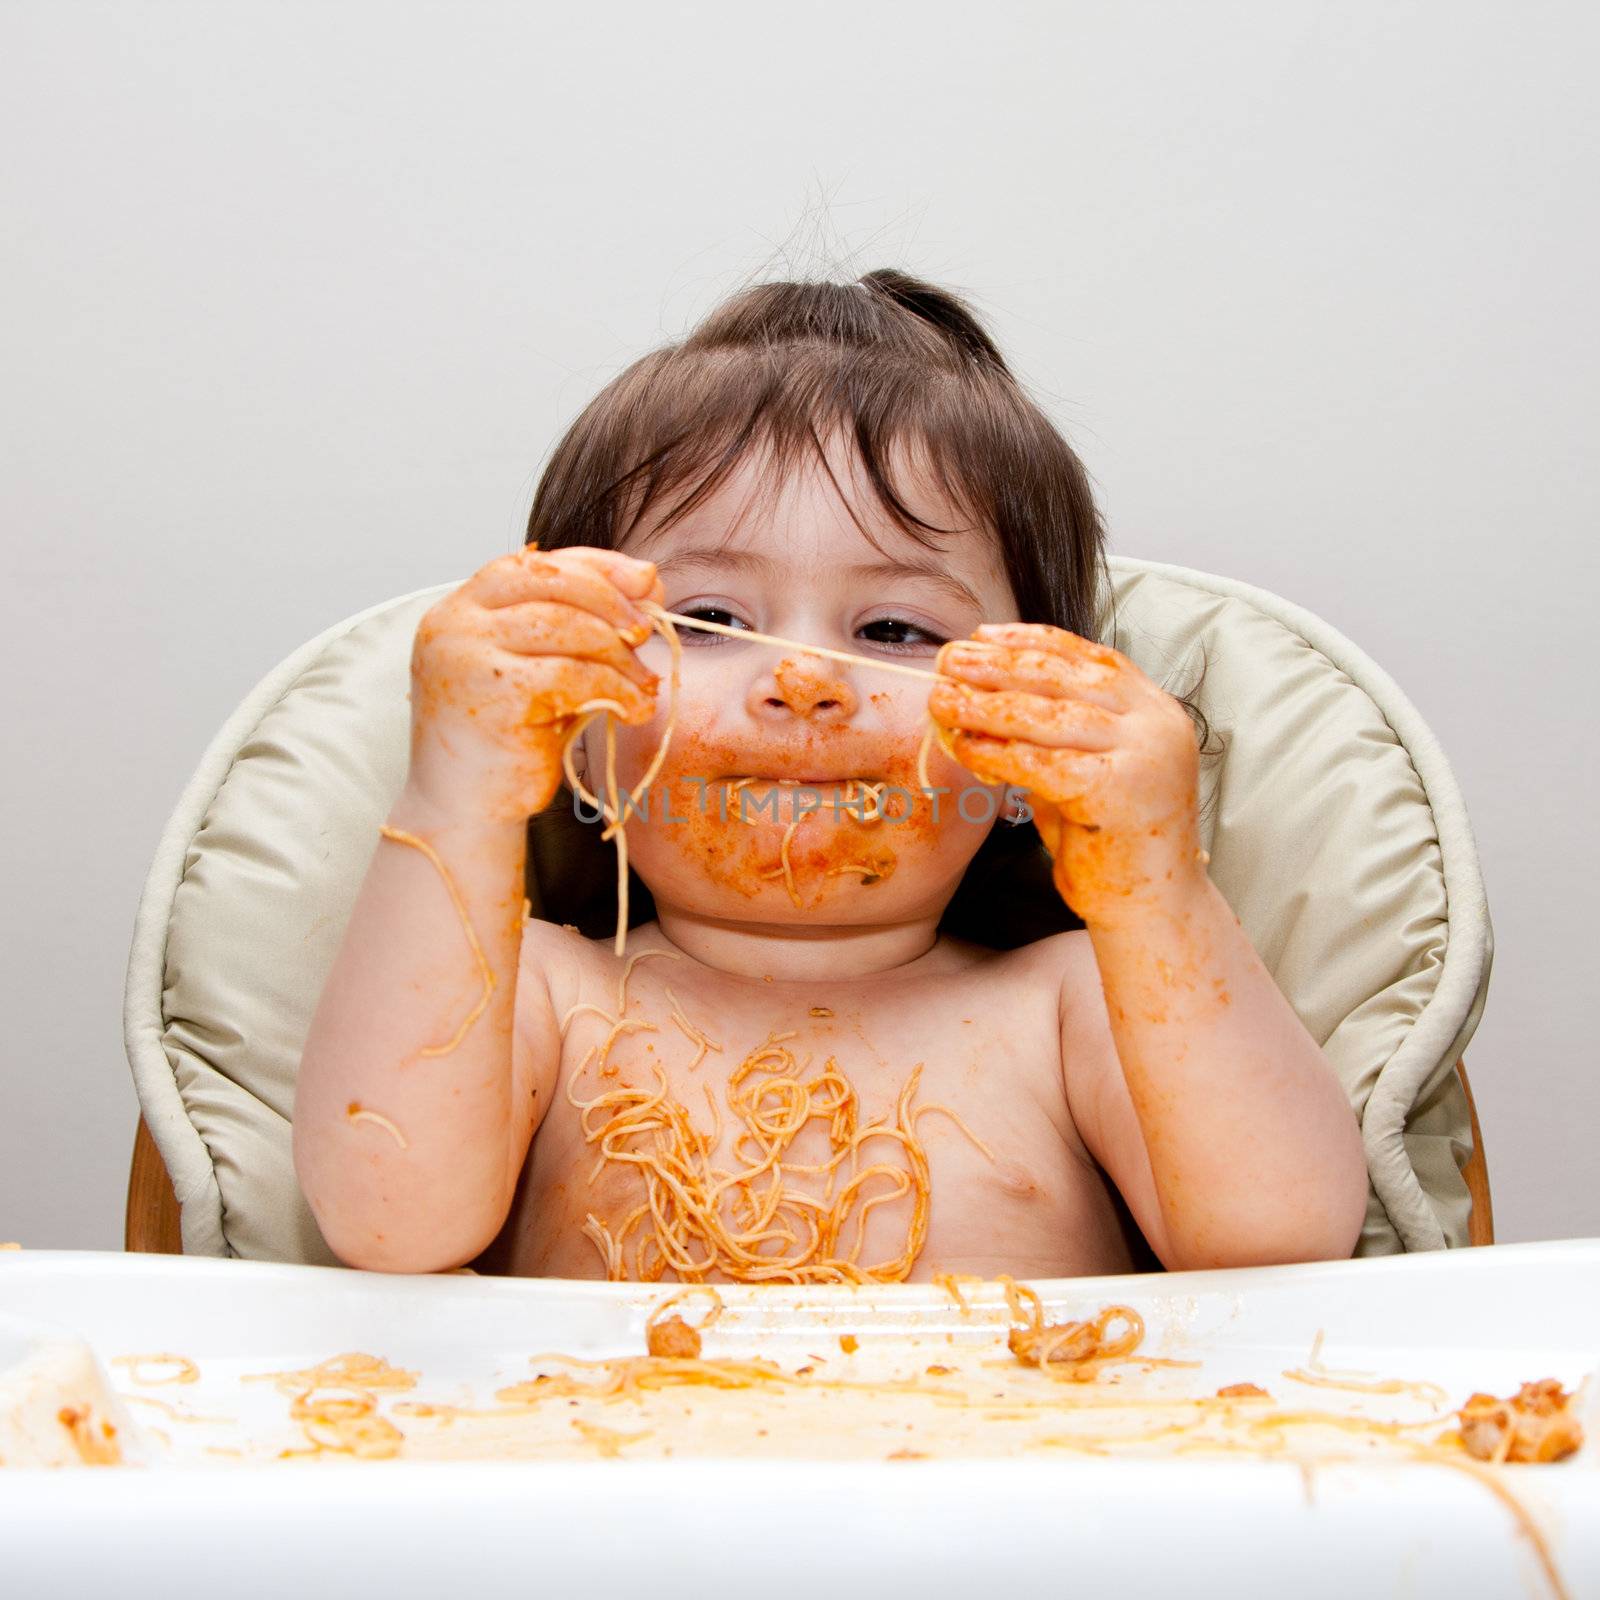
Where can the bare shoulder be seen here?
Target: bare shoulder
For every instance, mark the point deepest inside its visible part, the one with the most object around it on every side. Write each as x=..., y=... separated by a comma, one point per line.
x=549, y=974
x=1088, y=1047
x=1068, y=958
x=1089, y=1062
x=1038, y=958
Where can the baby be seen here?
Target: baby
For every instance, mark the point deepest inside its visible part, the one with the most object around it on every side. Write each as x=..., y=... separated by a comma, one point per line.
x=796, y=1072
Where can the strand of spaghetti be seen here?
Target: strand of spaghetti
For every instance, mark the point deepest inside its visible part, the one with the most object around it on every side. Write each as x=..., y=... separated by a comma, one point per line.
x=784, y=867
x=713, y=1311
x=614, y=810
x=1429, y=1392
x=1495, y=1483
x=690, y=1032
x=627, y=972
x=924, y=750
x=592, y=708
x=353, y=1370
x=600, y=1236
x=485, y=971
x=616, y=829
x=358, y=1113
x=750, y=636
x=675, y=649
x=186, y=1371
x=960, y=1122
x=584, y=1005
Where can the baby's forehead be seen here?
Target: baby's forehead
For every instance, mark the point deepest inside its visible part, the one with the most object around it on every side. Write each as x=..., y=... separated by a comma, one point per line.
x=796, y=518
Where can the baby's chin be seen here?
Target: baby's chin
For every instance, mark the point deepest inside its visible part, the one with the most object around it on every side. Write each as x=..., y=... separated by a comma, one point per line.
x=820, y=874
x=836, y=906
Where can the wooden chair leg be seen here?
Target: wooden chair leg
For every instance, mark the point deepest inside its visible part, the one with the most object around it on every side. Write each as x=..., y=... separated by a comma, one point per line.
x=1480, y=1224
x=153, y=1223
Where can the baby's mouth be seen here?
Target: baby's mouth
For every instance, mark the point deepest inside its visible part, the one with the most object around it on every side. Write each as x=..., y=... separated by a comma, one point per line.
x=817, y=780
x=820, y=784
x=846, y=795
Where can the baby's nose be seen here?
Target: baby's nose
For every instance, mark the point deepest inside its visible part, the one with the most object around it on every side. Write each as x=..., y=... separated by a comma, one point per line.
x=809, y=687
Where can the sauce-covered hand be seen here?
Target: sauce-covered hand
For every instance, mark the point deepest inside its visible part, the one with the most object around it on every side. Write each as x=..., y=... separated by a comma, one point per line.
x=501, y=665
x=1109, y=759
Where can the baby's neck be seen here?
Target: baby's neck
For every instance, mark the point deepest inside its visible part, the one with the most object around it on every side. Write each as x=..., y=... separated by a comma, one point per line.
x=809, y=952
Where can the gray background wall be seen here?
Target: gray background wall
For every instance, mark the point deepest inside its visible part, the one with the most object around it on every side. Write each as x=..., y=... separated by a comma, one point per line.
x=296, y=297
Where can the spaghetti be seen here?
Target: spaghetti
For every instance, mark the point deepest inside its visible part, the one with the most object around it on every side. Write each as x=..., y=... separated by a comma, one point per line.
x=485, y=971
x=1071, y=1351
x=750, y=1221
x=353, y=1370
x=345, y=1424
x=183, y=1369
x=672, y=1336
x=355, y=1112
x=663, y=1396
x=614, y=808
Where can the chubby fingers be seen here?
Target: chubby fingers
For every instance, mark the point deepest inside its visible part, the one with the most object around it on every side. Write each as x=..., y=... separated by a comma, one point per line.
x=995, y=665
x=1068, y=779
x=549, y=628
x=1040, y=719
x=599, y=581
x=1043, y=636
x=556, y=688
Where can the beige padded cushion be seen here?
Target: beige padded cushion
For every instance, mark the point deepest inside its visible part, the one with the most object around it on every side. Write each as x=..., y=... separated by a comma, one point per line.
x=1335, y=828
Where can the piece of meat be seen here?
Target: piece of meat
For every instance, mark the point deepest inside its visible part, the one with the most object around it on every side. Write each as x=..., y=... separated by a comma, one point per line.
x=674, y=1338
x=1536, y=1424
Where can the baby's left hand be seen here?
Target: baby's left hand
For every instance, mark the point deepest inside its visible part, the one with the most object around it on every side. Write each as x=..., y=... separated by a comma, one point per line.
x=1109, y=759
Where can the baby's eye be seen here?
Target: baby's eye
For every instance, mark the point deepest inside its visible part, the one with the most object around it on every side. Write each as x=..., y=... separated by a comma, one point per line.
x=710, y=613
x=895, y=633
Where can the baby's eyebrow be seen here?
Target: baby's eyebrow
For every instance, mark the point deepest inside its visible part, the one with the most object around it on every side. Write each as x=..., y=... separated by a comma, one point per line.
x=716, y=558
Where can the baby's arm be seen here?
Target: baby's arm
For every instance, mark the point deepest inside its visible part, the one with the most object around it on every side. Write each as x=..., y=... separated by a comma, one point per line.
x=426, y=1071
x=1192, y=1081
x=1198, y=1089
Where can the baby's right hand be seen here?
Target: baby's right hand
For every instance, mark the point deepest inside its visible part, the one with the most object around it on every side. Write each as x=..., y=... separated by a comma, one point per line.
x=500, y=666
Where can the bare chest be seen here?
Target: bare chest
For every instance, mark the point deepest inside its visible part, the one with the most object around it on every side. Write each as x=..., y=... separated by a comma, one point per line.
x=852, y=1132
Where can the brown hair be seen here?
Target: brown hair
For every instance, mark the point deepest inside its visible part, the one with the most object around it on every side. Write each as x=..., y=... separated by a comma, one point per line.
x=889, y=362
x=903, y=370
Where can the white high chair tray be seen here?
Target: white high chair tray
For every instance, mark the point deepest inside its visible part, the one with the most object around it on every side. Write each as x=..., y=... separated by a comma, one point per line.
x=840, y=1513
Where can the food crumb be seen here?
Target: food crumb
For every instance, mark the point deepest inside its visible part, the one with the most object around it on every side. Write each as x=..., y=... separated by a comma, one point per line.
x=849, y=1343
x=673, y=1339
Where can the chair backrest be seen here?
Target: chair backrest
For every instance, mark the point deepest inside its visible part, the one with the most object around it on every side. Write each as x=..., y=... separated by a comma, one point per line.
x=1335, y=828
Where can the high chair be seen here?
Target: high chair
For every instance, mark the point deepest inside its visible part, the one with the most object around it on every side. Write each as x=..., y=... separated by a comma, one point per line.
x=1334, y=824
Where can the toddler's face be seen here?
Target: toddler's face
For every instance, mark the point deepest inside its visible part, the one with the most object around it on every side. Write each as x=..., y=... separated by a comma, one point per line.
x=758, y=813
